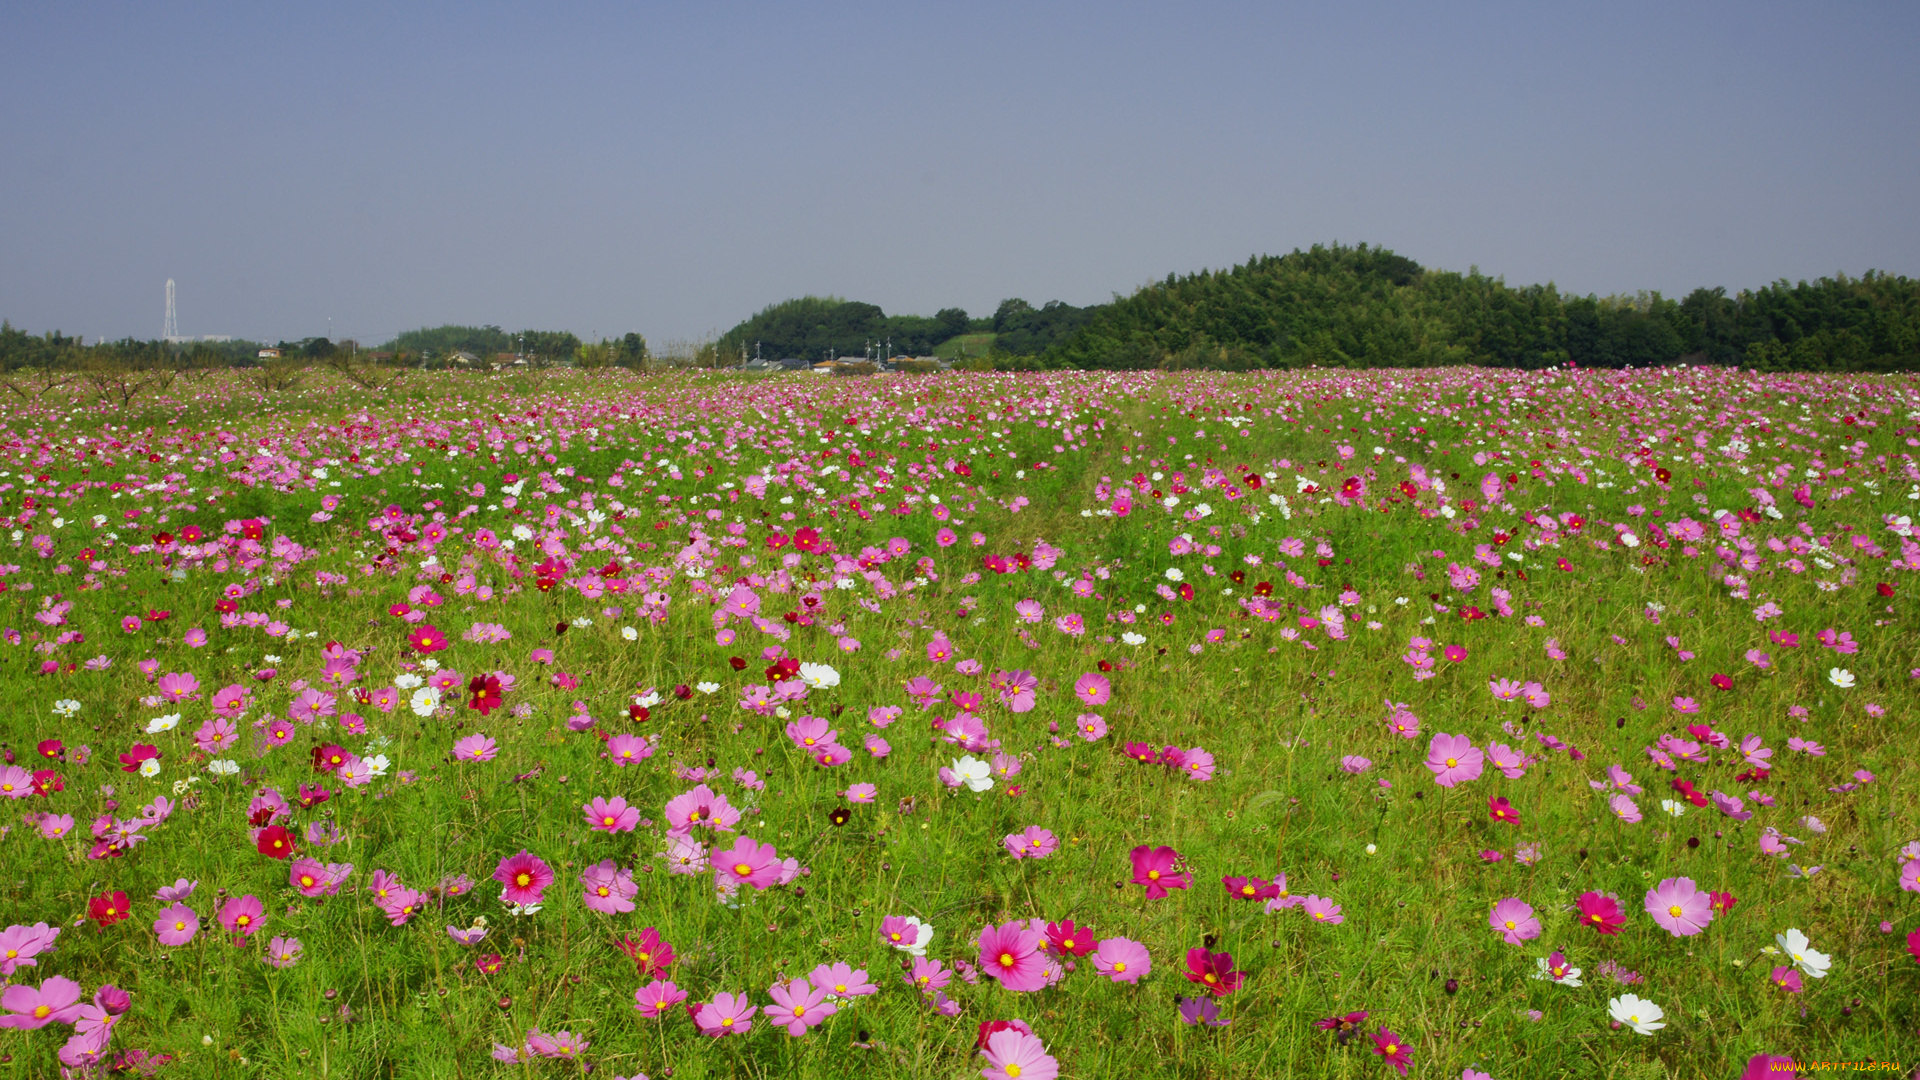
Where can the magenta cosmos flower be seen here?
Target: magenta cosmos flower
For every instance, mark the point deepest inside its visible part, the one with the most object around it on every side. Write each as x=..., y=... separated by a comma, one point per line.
x=1154, y=868
x=1514, y=921
x=799, y=1006
x=427, y=638
x=1016, y=1055
x=1680, y=907
x=243, y=915
x=1453, y=759
x=748, y=862
x=726, y=1014
x=657, y=998
x=526, y=878
x=1011, y=953
x=1602, y=912
x=1122, y=959
x=1393, y=1050
x=1213, y=972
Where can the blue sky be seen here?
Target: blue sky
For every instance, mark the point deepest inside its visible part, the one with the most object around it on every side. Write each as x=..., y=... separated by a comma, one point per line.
x=671, y=169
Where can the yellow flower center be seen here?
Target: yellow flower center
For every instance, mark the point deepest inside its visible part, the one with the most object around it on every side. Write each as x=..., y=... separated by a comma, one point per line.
x=1509, y=924
x=179, y=924
x=244, y=920
x=1392, y=1049
x=728, y=1022
x=1120, y=967
x=607, y=821
x=1674, y=911
x=40, y=1012
x=1153, y=875
x=1013, y=1070
x=523, y=879
x=1451, y=762
x=1006, y=959
x=839, y=988
x=799, y=1010
x=742, y=869
x=1210, y=977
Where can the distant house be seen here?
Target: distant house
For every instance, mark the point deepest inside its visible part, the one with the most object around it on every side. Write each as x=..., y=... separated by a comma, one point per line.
x=268, y=354
x=791, y=363
x=463, y=358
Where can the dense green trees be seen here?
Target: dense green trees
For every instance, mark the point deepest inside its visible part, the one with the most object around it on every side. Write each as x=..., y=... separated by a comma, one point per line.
x=1368, y=307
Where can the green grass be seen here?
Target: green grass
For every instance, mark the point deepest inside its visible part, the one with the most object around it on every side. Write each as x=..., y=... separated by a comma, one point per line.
x=373, y=1000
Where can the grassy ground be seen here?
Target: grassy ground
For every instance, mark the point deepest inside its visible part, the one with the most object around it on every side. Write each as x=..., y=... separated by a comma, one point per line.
x=1277, y=703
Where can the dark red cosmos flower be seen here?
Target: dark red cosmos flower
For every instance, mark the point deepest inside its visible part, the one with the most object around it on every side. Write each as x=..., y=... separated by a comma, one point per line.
x=737, y=663
x=275, y=842
x=1884, y=589
x=109, y=908
x=483, y=694
x=638, y=713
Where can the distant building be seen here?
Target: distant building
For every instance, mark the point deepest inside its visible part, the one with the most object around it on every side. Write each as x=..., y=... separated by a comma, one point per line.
x=216, y=338
x=269, y=354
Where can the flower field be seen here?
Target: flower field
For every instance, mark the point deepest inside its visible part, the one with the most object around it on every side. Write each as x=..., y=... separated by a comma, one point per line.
x=1451, y=723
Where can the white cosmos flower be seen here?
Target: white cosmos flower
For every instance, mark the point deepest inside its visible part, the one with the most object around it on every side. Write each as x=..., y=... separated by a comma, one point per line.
x=819, y=676
x=163, y=723
x=1174, y=573
x=377, y=765
x=1132, y=638
x=1637, y=1013
x=150, y=768
x=1795, y=944
x=976, y=774
x=1629, y=540
x=630, y=633
x=407, y=681
x=66, y=707
x=706, y=687
x=223, y=767
x=1672, y=807
x=1840, y=677
x=424, y=701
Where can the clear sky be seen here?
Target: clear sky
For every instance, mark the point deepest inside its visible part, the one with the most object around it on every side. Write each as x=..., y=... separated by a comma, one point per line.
x=671, y=168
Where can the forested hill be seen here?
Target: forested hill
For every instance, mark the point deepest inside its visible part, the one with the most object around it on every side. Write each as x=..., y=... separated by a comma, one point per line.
x=1338, y=306
x=1368, y=307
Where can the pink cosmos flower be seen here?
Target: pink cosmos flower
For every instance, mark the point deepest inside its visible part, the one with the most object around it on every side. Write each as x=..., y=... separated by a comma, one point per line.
x=1322, y=910
x=524, y=876
x=1504, y=689
x=243, y=915
x=1011, y=954
x=1033, y=842
x=1016, y=1055
x=1453, y=759
x=475, y=747
x=283, y=952
x=1625, y=809
x=1514, y=921
x=1154, y=868
x=701, y=807
x=55, y=1001
x=1122, y=959
x=656, y=998
x=314, y=878
x=176, y=925
x=1355, y=764
x=1680, y=907
x=1093, y=688
x=727, y=1014
x=842, y=980
x=800, y=1006
x=748, y=862
x=608, y=888
x=1197, y=763
x=611, y=815
x=629, y=749
x=1510, y=762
